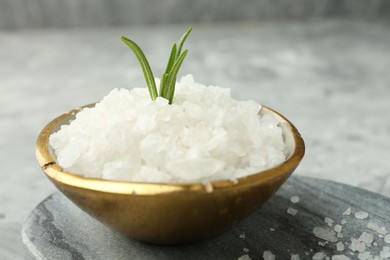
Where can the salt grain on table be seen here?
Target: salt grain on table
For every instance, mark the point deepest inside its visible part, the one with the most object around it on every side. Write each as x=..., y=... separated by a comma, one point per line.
x=244, y=257
x=361, y=215
x=329, y=221
x=267, y=255
x=387, y=238
x=340, y=246
x=385, y=253
x=340, y=257
x=325, y=234
x=337, y=228
x=318, y=256
x=292, y=211
x=347, y=211
x=242, y=236
x=295, y=257
x=294, y=199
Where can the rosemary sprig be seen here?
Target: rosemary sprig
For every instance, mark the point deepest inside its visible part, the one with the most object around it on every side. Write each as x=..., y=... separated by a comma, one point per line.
x=168, y=78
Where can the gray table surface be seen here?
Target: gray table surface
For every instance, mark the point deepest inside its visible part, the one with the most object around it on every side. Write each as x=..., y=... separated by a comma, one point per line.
x=57, y=229
x=330, y=78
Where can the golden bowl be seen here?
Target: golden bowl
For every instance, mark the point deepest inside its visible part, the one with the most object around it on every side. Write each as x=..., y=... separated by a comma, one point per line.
x=169, y=213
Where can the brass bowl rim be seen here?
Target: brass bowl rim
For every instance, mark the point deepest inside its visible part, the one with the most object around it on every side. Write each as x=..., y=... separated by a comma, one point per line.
x=57, y=174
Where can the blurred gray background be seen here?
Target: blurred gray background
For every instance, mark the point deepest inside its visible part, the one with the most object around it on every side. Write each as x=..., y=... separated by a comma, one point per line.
x=22, y=14
x=324, y=64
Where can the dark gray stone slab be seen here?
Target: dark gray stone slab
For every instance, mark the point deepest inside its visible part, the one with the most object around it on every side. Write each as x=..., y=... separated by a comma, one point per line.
x=56, y=229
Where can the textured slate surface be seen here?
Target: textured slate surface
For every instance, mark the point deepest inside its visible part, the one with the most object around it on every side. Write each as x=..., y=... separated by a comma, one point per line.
x=56, y=229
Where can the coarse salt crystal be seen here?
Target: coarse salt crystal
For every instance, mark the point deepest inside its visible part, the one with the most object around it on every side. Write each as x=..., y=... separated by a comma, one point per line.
x=387, y=238
x=267, y=255
x=337, y=228
x=329, y=221
x=361, y=215
x=292, y=211
x=295, y=257
x=204, y=135
x=340, y=257
x=347, y=211
x=325, y=234
x=357, y=245
x=365, y=256
x=242, y=236
x=385, y=253
x=246, y=250
x=318, y=256
x=340, y=246
x=294, y=199
x=244, y=257
x=374, y=226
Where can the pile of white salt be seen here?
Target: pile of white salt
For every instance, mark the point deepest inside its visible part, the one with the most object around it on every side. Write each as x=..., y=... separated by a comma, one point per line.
x=204, y=135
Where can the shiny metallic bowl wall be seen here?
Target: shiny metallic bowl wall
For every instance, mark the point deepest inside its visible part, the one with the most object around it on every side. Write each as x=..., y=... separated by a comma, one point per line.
x=169, y=213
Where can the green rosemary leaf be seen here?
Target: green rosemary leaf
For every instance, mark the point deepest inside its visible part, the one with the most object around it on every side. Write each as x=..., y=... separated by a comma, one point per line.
x=164, y=77
x=182, y=40
x=163, y=81
x=171, y=81
x=144, y=65
x=172, y=58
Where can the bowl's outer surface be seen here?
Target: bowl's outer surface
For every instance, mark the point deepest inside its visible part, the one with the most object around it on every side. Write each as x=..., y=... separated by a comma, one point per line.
x=169, y=213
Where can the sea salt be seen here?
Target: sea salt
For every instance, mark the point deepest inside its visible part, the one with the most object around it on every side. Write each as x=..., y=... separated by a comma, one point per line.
x=340, y=257
x=385, y=253
x=337, y=228
x=267, y=255
x=325, y=234
x=294, y=199
x=295, y=257
x=387, y=238
x=318, y=256
x=340, y=246
x=361, y=215
x=347, y=212
x=292, y=211
x=329, y=221
x=244, y=257
x=204, y=135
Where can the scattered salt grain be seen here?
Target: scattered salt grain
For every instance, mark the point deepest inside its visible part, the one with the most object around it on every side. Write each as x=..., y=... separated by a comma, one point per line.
x=246, y=250
x=325, y=234
x=347, y=211
x=244, y=257
x=385, y=253
x=323, y=243
x=329, y=221
x=340, y=257
x=357, y=245
x=337, y=228
x=361, y=215
x=344, y=221
x=294, y=199
x=295, y=257
x=272, y=229
x=387, y=238
x=374, y=226
x=267, y=255
x=242, y=236
x=365, y=256
x=204, y=135
x=292, y=211
x=340, y=246
x=318, y=256
x=366, y=238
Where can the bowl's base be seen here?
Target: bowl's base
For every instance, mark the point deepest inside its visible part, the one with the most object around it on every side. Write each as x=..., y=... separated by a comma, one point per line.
x=57, y=229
